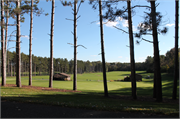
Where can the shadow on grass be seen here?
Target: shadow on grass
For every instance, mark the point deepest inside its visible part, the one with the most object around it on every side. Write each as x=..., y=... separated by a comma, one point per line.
x=118, y=100
x=88, y=100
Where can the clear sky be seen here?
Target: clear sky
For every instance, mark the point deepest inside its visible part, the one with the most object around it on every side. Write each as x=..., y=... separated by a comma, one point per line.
x=88, y=33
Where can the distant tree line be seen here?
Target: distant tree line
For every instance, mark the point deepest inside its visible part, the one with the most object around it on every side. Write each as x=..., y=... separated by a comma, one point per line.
x=166, y=63
x=41, y=65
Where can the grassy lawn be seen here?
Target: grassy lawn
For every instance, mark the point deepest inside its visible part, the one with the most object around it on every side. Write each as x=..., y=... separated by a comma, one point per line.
x=92, y=95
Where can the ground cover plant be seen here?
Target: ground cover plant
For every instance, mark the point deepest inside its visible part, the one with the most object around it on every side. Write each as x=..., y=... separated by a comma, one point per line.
x=91, y=93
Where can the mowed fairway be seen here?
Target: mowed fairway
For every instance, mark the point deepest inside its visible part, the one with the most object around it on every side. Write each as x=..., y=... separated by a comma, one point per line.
x=93, y=82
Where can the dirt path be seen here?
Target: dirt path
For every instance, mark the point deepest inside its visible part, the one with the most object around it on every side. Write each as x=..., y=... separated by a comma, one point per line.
x=41, y=88
x=29, y=110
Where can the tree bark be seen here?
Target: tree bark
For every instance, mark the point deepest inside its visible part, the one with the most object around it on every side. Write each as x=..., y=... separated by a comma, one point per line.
x=8, y=66
x=25, y=68
x=102, y=51
x=18, y=52
x=51, y=46
x=5, y=49
x=154, y=85
x=30, y=45
x=174, y=96
x=35, y=70
x=22, y=68
x=157, y=68
x=133, y=76
x=2, y=45
x=11, y=68
x=14, y=70
x=75, y=47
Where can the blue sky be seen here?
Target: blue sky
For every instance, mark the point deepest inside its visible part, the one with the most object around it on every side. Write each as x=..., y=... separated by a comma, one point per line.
x=88, y=33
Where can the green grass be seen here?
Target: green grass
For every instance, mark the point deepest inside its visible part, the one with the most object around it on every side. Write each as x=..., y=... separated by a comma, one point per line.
x=92, y=92
x=95, y=83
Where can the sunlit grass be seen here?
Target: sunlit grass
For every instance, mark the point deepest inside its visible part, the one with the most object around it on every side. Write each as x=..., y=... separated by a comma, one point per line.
x=93, y=82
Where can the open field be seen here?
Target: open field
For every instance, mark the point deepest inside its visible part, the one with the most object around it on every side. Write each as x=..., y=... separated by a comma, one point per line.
x=91, y=95
x=93, y=82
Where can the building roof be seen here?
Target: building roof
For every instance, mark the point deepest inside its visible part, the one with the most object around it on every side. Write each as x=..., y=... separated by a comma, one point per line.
x=64, y=74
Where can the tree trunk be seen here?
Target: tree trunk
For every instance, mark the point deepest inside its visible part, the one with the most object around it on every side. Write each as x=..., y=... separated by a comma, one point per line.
x=11, y=68
x=102, y=51
x=2, y=45
x=154, y=86
x=14, y=70
x=5, y=50
x=174, y=96
x=8, y=66
x=156, y=54
x=51, y=46
x=18, y=52
x=133, y=76
x=75, y=47
x=35, y=69
x=59, y=68
x=22, y=68
x=30, y=45
x=25, y=68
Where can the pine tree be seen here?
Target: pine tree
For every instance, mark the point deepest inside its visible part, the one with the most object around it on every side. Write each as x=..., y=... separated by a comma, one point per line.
x=51, y=45
x=174, y=96
x=75, y=47
x=18, y=50
x=102, y=51
x=156, y=53
x=30, y=45
x=75, y=10
x=2, y=45
x=133, y=76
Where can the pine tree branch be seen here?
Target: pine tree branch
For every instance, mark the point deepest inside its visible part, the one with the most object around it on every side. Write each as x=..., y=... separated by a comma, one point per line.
x=81, y=46
x=11, y=40
x=69, y=19
x=140, y=6
x=70, y=44
x=94, y=21
x=77, y=45
x=79, y=7
x=72, y=32
x=8, y=24
x=147, y=40
x=78, y=17
x=121, y=29
x=11, y=48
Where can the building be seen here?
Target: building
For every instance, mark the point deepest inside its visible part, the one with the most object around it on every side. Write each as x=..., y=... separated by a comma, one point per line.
x=138, y=77
x=62, y=77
